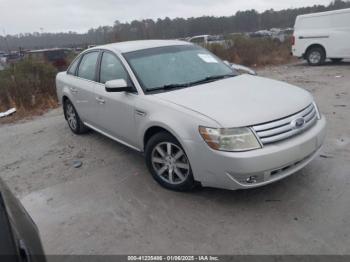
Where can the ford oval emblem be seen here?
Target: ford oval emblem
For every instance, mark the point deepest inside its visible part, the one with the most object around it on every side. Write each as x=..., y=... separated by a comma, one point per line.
x=298, y=123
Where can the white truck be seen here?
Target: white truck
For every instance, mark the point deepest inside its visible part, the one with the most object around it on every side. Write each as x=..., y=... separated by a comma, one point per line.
x=322, y=36
x=207, y=39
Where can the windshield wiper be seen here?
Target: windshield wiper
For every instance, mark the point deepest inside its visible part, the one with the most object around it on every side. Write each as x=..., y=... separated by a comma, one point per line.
x=210, y=78
x=198, y=82
x=168, y=87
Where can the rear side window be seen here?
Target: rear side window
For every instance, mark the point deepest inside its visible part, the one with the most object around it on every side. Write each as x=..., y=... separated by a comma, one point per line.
x=87, y=67
x=73, y=67
x=112, y=69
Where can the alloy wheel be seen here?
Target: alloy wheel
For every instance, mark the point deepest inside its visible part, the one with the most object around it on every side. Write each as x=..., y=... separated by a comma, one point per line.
x=170, y=163
x=71, y=116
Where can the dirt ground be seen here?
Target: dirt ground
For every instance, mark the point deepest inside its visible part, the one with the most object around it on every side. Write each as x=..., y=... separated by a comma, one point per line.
x=111, y=205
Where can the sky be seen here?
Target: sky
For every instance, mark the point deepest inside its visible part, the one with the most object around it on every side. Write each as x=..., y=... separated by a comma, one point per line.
x=22, y=16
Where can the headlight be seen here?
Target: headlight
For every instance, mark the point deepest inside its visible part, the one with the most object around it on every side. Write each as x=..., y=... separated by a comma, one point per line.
x=317, y=111
x=230, y=139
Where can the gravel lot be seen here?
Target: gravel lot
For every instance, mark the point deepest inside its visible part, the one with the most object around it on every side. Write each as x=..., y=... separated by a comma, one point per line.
x=111, y=205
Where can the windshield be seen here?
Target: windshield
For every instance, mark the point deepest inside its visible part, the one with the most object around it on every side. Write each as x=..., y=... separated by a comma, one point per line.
x=176, y=67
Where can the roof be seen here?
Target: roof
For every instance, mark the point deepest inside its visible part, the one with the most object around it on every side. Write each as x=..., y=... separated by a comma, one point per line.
x=340, y=11
x=129, y=46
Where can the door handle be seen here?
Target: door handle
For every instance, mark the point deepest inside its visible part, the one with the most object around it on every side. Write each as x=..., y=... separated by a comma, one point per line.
x=100, y=100
x=73, y=90
x=140, y=113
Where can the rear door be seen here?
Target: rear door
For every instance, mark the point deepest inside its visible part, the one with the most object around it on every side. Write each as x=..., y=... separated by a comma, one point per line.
x=115, y=112
x=82, y=86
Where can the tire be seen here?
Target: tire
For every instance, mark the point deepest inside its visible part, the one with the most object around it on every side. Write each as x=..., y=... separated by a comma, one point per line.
x=169, y=165
x=336, y=60
x=316, y=56
x=73, y=119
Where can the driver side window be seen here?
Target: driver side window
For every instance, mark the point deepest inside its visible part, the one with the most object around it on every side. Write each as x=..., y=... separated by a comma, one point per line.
x=112, y=69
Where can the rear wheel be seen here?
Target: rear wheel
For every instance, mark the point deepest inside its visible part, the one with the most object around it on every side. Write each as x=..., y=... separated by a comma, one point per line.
x=316, y=56
x=168, y=163
x=336, y=60
x=73, y=119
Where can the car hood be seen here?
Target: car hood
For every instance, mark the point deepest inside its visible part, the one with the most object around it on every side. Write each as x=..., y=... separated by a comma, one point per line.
x=242, y=100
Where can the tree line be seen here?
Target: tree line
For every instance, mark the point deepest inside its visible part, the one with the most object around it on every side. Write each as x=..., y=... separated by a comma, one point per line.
x=242, y=21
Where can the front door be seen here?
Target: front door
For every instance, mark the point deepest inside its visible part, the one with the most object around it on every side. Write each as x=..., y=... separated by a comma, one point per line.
x=115, y=112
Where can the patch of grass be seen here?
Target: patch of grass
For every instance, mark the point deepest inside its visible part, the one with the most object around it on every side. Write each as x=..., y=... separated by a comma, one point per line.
x=254, y=52
x=28, y=85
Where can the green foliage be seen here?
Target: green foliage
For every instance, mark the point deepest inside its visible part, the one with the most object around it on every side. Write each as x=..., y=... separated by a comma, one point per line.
x=27, y=85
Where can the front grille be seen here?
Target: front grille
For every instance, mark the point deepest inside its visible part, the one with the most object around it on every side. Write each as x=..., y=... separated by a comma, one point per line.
x=285, y=128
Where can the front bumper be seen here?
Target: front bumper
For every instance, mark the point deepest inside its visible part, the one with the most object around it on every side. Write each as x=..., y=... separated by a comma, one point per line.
x=231, y=170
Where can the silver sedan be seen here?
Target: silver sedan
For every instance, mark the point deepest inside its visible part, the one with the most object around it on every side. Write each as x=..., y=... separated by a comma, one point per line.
x=196, y=119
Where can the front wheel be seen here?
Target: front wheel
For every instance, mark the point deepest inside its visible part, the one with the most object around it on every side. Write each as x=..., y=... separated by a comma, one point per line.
x=168, y=163
x=316, y=56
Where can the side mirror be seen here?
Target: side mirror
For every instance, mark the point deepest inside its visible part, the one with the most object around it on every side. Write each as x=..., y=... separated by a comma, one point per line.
x=118, y=85
x=227, y=63
x=244, y=69
x=241, y=69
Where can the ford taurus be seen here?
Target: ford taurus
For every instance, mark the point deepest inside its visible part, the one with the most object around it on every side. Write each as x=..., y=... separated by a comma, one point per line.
x=196, y=119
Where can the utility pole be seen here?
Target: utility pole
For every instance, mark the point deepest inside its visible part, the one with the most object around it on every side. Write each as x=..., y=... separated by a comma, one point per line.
x=7, y=44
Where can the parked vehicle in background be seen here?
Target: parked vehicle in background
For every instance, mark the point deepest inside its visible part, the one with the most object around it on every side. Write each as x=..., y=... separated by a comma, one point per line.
x=204, y=40
x=78, y=50
x=323, y=35
x=261, y=33
x=281, y=34
x=55, y=56
x=193, y=116
x=13, y=57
